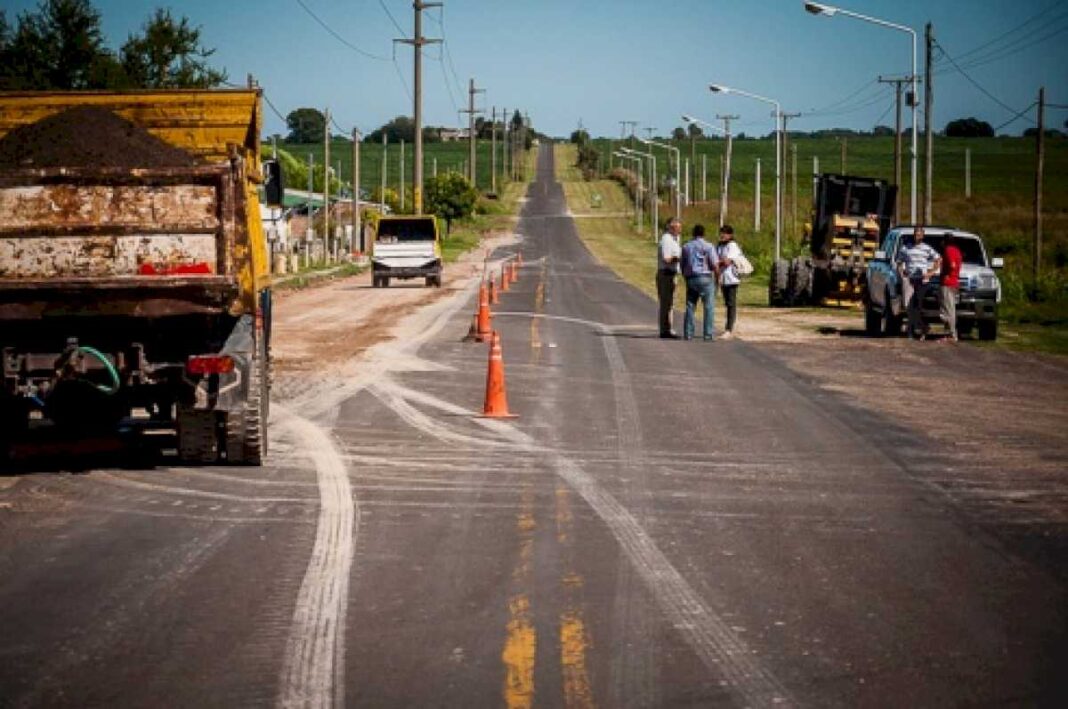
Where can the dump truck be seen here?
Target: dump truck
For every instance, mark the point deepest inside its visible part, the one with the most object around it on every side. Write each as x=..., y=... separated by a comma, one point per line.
x=850, y=217
x=134, y=282
x=406, y=247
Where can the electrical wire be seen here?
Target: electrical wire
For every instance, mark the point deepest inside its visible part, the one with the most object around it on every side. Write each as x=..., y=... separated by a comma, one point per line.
x=338, y=37
x=973, y=82
x=966, y=56
x=1015, y=118
x=391, y=17
x=1046, y=31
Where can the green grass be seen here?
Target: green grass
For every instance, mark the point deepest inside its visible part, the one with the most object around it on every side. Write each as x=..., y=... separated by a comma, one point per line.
x=449, y=156
x=1041, y=326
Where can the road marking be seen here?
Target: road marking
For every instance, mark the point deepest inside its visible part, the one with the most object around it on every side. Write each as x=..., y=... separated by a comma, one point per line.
x=313, y=673
x=521, y=640
x=574, y=639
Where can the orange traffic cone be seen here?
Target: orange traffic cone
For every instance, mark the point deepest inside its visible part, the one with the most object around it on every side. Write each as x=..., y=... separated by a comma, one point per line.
x=513, y=272
x=483, y=314
x=472, y=332
x=496, y=406
x=505, y=280
x=493, y=297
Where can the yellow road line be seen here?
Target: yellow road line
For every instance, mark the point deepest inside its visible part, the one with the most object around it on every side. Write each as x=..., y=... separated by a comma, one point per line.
x=521, y=640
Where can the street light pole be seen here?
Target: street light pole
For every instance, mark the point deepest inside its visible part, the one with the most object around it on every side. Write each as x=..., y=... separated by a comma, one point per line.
x=817, y=8
x=724, y=188
x=652, y=182
x=720, y=89
x=665, y=146
x=638, y=186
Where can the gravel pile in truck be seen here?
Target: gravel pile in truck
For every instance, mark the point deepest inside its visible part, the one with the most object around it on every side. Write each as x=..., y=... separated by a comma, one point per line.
x=88, y=136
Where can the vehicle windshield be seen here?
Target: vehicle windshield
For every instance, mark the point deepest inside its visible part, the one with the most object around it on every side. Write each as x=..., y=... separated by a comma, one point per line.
x=393, y=230
x=971, y=248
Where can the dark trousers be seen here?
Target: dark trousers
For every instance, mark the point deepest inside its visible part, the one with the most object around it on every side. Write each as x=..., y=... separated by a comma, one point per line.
x=730, y=300
x=665, y=294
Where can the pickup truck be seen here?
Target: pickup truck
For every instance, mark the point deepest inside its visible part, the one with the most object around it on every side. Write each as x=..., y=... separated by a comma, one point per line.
x=134, y=290
x=979, y=294
x=406, y=247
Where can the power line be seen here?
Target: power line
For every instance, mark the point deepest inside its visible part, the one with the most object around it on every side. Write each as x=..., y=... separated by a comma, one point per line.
x=1016, y=117
x=391, y=17
x=973, y=82
x=965, y=56
x=338, y=37
x=1047, y=30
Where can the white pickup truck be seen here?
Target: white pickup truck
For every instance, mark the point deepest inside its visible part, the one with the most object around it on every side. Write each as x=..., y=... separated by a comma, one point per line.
x=406, y=247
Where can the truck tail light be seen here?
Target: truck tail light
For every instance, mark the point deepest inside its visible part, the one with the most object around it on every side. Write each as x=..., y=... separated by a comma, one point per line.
x=203, y=365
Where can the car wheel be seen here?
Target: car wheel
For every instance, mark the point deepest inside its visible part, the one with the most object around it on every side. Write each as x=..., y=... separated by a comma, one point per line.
x=872, y=319
x=988, y=329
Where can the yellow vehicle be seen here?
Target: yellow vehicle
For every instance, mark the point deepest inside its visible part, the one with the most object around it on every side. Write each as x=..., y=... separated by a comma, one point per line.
x=406, y=246
x=134, y=286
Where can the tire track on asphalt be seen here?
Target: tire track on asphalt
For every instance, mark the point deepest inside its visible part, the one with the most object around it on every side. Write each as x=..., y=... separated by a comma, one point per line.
x=313, y=673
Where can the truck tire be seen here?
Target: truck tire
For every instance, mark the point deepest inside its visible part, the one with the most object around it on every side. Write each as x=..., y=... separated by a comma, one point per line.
x=800, y=282
x=246, y=428
x=778, y=283
x=988, y=330
x=198, y=436
x=872, y=318
x=433, y=281
x=385, y=281
x=891, y=322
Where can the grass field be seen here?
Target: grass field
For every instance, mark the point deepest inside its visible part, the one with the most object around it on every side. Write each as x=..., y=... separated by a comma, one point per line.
x=447, y=156
x=611, y=234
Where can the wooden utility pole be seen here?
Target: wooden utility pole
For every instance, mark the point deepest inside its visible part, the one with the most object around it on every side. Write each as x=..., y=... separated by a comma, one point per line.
x=357, y=227
x=793, y=201
x=385, y=140
x=505, y=144
x=417, y=41
x=845, y=143
x=493, y=151
x=897, y=137
x=1040, y=152
x=400, y=177
x=756, y=199
x=786, y=142
x=326, y=182
x=471, y=138
x=928, y=122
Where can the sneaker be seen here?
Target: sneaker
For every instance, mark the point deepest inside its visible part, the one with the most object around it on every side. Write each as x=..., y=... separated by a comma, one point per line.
x=727, y=334
x=669, y=336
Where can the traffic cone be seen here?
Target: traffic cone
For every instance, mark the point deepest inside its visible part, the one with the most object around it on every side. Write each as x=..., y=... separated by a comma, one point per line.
x=504, y=278
x=496, y=405
x=513, y=272
x=483, y=319
x=493, y=297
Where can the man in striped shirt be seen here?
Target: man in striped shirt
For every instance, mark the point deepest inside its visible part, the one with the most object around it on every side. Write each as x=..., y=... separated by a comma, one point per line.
x=916, y=263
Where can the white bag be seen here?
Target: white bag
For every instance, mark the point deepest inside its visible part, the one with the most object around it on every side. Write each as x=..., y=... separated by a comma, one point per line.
x=742, y=265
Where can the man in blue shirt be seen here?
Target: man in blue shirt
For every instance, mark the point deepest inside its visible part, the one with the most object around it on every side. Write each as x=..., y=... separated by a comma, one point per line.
x=699, y=267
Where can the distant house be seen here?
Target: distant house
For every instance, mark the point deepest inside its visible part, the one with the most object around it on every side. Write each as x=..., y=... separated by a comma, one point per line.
x=449, y=135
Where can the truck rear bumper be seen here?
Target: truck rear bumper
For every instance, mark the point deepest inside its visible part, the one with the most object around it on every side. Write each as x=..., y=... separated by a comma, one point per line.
x=149, y=296
x=430, y=269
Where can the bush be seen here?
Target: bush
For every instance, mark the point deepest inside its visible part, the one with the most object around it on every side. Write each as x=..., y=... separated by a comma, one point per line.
x=450, y=196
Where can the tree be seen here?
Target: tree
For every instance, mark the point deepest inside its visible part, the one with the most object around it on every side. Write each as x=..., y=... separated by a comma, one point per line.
x=449, y=196
x=695, y=131
x=396, y=130
x=56, y=48
x=306, y=125
x=580, y=137
x=679, y=133
x=882, y=131
x=168, y=55
x=969, y=128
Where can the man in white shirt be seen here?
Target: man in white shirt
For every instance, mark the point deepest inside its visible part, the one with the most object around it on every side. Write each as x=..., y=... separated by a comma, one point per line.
x=667, y=267
x=728, y=252
x=916, y=263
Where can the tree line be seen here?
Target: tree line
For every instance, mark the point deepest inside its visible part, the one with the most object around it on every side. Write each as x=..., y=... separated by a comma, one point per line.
x=61, y=46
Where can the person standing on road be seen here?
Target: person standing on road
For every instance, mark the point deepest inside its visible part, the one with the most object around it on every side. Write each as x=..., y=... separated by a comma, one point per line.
x=699, y=268
x=727, y=253
x=667, y=266
x=917, y=262
x=952, y=259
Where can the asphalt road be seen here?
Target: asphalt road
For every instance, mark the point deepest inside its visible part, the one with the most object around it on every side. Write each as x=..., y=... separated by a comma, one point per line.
x=665, y=524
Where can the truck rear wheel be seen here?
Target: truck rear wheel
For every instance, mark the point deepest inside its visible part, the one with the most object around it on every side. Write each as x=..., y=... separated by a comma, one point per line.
x=872, y=319
x=246, y=428
x=198, y=436
x=988, y=329
x=778, y=283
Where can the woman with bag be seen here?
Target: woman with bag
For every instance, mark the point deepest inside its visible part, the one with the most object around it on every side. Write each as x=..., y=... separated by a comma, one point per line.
x=732, y=266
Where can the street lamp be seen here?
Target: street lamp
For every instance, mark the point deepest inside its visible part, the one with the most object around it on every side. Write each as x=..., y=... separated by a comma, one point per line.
x=638, y=190
x=678, y=160
x=721, y=89
x=652, y=181
x=724, y=188
x=818, y=8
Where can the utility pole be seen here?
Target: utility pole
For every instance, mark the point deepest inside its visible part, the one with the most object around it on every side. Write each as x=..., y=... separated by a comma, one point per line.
x=417, y=41
x=493, y=151
x=725, y=186
x=1040, y=150
x=928, y=101
x=785, y=142
x=357, y=228
x=400, y=176
x=898, y=83
x=470, y=111
x=844, y=144
x=326, y=183
x=793, y=201
x=649, y=131
x=756, y=199
x=704, y=177
x=385, y=139
x=505, y=141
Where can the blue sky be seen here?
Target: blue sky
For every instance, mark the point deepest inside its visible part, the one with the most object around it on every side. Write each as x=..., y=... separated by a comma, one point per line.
x=602, y=61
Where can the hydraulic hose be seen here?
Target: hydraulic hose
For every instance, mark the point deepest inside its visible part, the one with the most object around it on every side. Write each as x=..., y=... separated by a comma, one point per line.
x=115, y=384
